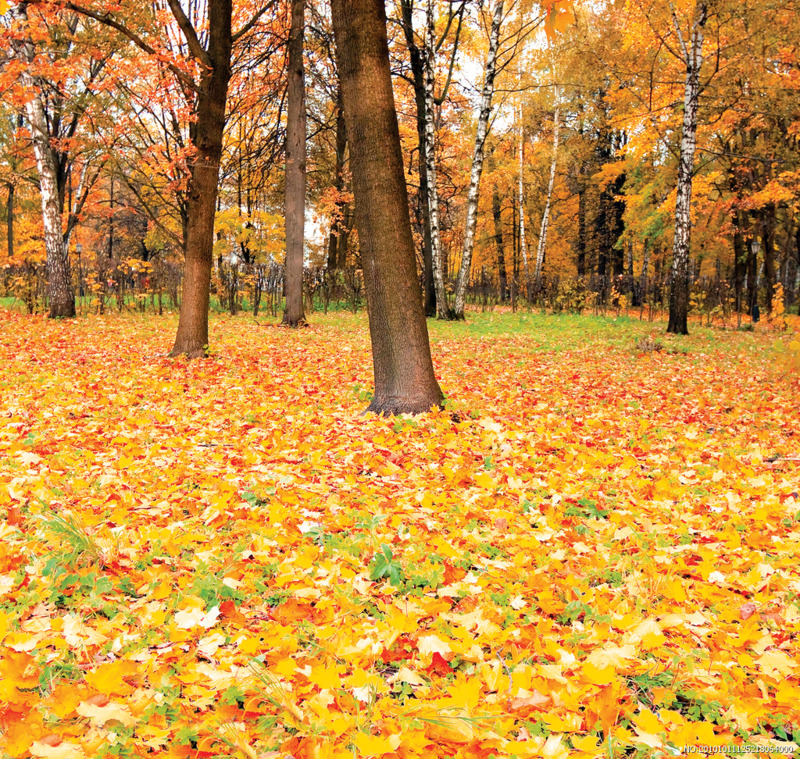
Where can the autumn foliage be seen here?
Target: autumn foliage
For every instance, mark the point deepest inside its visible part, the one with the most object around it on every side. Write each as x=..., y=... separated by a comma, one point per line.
x=590, y=552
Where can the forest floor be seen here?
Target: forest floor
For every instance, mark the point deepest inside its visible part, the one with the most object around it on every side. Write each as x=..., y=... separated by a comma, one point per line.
x=593, y=551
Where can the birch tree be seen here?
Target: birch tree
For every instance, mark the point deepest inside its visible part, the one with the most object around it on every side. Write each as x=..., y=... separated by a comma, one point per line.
x=691, y=52
x=542, y=246
x=477, y=160
x=54, y=113
x=442, y=307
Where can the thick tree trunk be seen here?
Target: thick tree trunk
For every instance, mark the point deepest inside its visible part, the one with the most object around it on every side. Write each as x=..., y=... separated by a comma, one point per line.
x=418, y=75
x=540, y=251
x=477, y=161
x=442, y=307
x=192, y=337
x=293, y=316
x=679, y=296
x=404, y=377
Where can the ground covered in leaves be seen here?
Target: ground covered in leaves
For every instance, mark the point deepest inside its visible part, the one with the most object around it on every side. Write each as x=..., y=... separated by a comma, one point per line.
x=592, y=551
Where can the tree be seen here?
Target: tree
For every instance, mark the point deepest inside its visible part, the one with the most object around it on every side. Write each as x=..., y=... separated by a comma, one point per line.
x=404, y=376
x=691, y=52
x=477, y=161
x=294, y=316
x=208, y=52
x=54, y=112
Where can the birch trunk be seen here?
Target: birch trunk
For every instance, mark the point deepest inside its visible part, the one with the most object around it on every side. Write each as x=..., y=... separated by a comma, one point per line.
x=442, y=308
x=418, y=74
x=60, y=292
x=693, y=58
x=523, y=246
x=477, y=161
x=540, y=250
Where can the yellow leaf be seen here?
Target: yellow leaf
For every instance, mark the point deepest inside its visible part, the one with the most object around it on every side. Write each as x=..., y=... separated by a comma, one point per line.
x=108, y=677
x=598, y=676
x=776, y=664
x=62, y=750
x=376, y=745
x=647, y=721
x=111, y=712
x=326, y=677
x=612, y=656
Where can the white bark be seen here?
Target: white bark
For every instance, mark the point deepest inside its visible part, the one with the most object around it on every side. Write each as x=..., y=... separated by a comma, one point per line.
x=442, y=309
x=693, y=58
x=477, y=160
x=546, y=215
x=523, y=245
x=59, y=282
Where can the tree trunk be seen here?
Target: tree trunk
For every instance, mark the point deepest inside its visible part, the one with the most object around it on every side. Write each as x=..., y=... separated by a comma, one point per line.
x=523, y=245
x=293, y=316
x=643, y=277
x=60, y=292
x=10, y=221
x=442, y=308
x=477, y=161
x=499, y=243
x=679, y=296
x=404, y=377
x=546, y=215
x=418, y=75
x=337, y=226
x=739, y=259
x=768, y=244
x=581, y=262
x=192, y=337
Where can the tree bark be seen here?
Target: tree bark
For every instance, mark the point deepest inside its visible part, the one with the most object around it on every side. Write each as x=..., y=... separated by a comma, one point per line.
x=548, y=198
x=404, y=377
x=10, y=220
x=582, y=233
x=337, y=226
x=442, y=307
x=477, y=161
x=679, y=295
x=739, y=259
x=523, y=245
x=768, y=244
x=192, y=337
x=418, y=75
x=499, y=243
x=60, y=292
x=294, y=316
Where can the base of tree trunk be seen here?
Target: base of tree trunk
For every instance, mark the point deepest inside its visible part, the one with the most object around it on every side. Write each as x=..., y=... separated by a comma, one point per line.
x=293, y=323
x=62, y=310
x=395, y=406
x=449, y=316
x=677, y=326
x=190, y=351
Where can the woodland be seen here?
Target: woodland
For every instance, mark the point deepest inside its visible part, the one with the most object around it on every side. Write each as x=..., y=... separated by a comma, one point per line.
x=399, y=379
